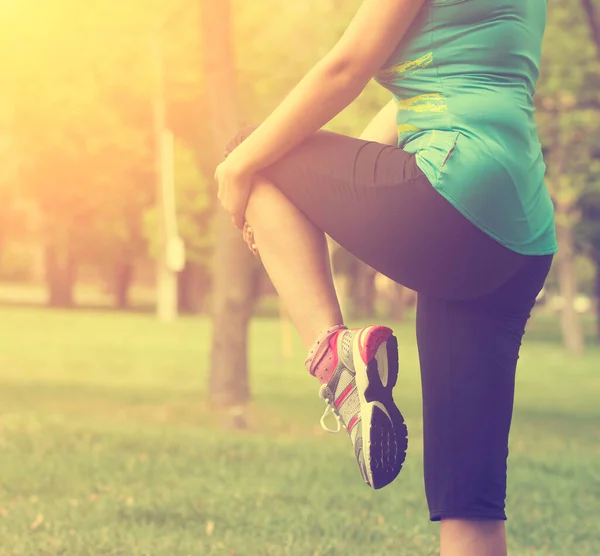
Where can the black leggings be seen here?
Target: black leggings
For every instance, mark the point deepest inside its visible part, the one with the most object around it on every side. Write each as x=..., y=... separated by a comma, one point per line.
x=474, y=299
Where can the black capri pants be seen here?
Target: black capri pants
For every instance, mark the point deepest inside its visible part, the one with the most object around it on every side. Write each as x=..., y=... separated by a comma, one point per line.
x=474, y=299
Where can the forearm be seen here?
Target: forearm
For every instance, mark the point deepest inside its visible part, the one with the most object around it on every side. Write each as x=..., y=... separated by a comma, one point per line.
x=383, y=128
x=324, y=92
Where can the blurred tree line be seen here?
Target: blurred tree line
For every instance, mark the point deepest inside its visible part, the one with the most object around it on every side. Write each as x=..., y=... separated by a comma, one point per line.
x=77, y=183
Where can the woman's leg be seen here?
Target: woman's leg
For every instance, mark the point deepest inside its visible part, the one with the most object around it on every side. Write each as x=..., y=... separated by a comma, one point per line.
x=375, y=202
x=468, y=352
x=474, y=300
x=295, y=255
x=461, y=537
x=319, y=188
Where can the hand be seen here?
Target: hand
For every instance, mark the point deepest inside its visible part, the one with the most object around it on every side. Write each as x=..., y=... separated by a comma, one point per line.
x=234, y=191
x=248, y=234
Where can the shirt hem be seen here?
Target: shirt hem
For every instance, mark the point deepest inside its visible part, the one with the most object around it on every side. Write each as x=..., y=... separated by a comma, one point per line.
x=506, y=243
x=495, y=515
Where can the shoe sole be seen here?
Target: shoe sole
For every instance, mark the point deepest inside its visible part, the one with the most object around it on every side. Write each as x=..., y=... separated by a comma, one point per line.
x=384, y=433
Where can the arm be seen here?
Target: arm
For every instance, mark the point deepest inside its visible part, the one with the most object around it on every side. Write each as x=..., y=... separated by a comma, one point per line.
x=331, y=85
x=382, y=128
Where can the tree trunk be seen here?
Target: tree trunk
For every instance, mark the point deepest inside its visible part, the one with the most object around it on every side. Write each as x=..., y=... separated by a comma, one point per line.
x=597, y=300
x=363, y=291
x=60, y=276
x=340, y=281
x=123, y=278
x=233, y=303
x=594, y=24
x=592, y=19
x=397, y=309
x=572, y=332
x=570, y=322
x=193, y=289
x=233, y=292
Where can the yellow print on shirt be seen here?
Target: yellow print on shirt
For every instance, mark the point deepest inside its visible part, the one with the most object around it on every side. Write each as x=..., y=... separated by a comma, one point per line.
x=406, y=129
x=431, y=102
x=407, y=68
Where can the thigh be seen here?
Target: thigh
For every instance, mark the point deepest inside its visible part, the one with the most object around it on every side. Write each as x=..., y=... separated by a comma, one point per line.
x=468, y=352
x=375, y=202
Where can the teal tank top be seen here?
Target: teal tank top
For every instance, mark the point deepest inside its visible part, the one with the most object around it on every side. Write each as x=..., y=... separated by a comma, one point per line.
x=463, y=79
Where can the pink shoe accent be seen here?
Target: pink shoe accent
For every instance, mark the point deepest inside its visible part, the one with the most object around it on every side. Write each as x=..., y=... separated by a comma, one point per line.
x=370, y=339
x=344, y=395
x=352, y=422
x=320, y=346
x=326, y=359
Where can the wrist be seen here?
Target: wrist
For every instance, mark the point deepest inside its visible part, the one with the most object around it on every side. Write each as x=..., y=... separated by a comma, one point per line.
x=238, y=163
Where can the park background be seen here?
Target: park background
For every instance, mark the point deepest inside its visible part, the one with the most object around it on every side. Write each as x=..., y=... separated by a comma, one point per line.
x=155, y=403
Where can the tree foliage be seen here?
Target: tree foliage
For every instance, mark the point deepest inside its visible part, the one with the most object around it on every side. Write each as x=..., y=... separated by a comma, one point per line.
x=76, y=118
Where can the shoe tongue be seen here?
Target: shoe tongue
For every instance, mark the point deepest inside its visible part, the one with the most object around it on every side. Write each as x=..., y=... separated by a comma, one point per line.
x=321, y=347
x=322, y=364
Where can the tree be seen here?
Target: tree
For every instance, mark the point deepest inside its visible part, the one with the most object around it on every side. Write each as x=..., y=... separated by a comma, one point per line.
x=234, y=267
x=588, y=236
x=85, y=157
x=589, y=204
x=590, y=11
x=566, y=97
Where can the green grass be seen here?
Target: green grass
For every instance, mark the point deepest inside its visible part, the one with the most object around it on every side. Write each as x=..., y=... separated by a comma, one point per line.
x=107, y=448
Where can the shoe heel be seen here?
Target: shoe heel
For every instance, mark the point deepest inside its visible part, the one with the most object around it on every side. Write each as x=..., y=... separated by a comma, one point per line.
x=374, y=337
x=393, y=362
x=381, y=352
x=382, y=370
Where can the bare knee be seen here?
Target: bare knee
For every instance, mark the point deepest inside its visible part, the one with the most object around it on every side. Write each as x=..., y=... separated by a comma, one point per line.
x=264, y=199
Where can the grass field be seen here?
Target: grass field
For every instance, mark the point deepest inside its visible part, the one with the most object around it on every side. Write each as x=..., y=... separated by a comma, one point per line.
x=107, y=448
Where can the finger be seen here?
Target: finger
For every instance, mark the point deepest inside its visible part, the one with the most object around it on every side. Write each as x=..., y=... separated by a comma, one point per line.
x=246, y=231
x=238, y=222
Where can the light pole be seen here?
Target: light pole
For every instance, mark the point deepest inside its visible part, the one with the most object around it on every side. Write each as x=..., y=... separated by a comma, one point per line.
x=170, y=258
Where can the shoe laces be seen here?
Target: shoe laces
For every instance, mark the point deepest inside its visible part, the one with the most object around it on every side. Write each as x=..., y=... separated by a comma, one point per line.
x=327, y=396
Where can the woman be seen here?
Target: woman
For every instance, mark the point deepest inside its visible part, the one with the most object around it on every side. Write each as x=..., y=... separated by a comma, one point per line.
x=443, y=193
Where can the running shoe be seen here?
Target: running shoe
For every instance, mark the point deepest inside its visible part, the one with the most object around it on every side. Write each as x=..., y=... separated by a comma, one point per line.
x=359, y=395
